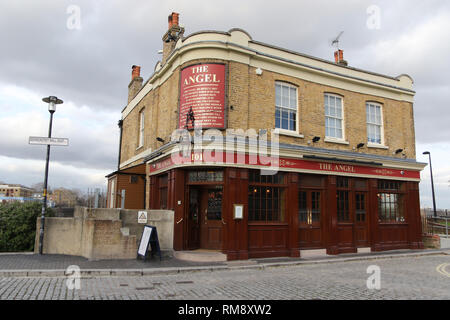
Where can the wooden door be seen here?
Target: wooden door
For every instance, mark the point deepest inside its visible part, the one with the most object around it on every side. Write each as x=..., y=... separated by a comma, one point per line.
x=310, y=219
x=361, y=220
x=193, y=233
x=211, y=218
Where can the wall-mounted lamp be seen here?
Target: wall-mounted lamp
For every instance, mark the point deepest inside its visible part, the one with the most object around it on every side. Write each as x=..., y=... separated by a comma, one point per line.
x=398, y=151
x=160, y=139
x=360, y=145
x=316, y=139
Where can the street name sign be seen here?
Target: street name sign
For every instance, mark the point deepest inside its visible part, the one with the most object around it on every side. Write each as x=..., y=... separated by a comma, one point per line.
x=49, y=141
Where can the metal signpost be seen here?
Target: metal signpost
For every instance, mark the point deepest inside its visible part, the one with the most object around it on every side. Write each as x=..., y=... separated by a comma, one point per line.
x=52, y=102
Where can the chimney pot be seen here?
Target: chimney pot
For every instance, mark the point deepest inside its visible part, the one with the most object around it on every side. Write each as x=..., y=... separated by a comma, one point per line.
x=175, y=18
x=136, y=72
x=339, y=57
x=170, y=21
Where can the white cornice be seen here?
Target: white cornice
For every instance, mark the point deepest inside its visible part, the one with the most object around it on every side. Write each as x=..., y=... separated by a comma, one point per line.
x=237, y=45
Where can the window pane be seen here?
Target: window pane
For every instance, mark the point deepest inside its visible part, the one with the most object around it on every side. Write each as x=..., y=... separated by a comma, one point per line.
x=277, y=118
x=293, y=98
x=332, y=101
x=284, y=96
x=284, y=120
x=277, y=95
x=292, y=121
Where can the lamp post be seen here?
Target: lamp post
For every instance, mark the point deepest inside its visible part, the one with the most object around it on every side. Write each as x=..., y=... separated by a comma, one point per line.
x=432, y=184
x=52, y=102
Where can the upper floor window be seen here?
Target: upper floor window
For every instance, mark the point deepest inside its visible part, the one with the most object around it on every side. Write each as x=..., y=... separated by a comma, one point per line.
x=141, y=128
x=334, y=117
x=374, y=123
x=285, y=106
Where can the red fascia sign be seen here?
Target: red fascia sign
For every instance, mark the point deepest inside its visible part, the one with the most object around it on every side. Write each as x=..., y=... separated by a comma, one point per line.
x=222, y=158
x=202, y=88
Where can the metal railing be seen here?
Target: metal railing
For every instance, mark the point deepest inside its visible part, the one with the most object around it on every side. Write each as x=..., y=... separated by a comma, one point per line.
x=438, y=225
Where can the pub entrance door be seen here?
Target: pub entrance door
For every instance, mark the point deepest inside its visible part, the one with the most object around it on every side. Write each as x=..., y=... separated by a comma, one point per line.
x=205, y=217
x=310, y=219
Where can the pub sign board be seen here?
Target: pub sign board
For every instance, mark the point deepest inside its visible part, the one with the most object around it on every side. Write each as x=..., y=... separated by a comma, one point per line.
x=202, y=88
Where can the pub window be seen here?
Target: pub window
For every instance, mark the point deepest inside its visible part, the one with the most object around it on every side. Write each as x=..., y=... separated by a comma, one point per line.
x=205, y=176
x=134, y=179
x=342, y=198
x=285, y=106
x=390, y=202
x=334, y=116
x=266, y=197
x=163, y=187
x=374, y=123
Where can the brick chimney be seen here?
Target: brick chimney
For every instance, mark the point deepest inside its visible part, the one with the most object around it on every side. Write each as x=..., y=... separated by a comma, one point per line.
x=172, y=35
x=136, y=82
x=339, y=57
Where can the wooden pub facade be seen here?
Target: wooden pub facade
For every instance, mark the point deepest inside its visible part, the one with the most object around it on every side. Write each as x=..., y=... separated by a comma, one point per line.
x=263, y=152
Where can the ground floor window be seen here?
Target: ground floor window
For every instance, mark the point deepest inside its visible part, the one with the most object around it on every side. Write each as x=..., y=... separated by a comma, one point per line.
x=163, y=186
x=390, y=201
x=266, y=197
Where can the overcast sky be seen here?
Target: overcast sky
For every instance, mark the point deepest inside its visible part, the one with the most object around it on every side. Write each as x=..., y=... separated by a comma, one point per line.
x=46, y=50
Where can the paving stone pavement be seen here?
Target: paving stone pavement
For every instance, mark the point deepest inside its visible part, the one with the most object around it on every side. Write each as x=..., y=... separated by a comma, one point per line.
x=401, y=278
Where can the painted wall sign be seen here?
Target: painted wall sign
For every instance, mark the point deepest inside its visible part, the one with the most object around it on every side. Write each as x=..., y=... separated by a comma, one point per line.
x=222, y=158
x=202, y=88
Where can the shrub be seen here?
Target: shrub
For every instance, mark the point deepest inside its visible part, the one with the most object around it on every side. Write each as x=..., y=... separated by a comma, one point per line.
x=18, y=225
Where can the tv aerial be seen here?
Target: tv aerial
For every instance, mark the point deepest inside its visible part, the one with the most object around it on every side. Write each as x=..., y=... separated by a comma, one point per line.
x=335, y=42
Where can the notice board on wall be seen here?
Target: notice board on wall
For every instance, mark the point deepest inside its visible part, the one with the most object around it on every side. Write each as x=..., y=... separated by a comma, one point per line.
x=202, y=88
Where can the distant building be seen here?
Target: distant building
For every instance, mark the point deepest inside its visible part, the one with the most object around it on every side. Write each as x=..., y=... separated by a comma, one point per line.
x=15, y=192
x=63, y=197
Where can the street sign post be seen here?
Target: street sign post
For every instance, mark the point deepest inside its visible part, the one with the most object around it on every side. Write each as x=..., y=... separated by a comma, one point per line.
x=49, y=141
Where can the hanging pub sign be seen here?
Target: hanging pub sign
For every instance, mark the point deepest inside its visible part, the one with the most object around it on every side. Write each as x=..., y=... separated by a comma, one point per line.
x=202, y=96
x=149, y=239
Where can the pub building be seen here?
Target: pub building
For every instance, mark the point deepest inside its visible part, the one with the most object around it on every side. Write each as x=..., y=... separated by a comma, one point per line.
x=290, y=152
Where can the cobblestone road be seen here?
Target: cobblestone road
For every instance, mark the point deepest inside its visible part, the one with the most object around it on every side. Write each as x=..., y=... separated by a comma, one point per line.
x=426, y=277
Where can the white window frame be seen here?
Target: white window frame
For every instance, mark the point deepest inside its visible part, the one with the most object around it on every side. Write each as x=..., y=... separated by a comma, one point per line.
x=381, y=124
x=141, y=128
x=342, y=119
x=280, y=130
x=112, y=193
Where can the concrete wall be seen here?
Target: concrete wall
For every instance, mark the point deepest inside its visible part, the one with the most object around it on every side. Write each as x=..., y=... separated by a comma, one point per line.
x=163, y=220
x=103, y=233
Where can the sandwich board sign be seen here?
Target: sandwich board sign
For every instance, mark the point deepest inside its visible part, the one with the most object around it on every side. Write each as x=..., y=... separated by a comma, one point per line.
x=149, y=239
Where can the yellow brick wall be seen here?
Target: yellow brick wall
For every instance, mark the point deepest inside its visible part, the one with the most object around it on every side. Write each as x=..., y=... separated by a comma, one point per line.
x=253, y=101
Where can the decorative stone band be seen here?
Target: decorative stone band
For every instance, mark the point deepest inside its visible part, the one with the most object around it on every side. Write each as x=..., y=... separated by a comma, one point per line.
x=269, y=163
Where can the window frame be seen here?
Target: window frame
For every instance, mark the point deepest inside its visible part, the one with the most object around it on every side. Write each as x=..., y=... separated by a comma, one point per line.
x=331, y=138
x=281, y=129
x=282, y=192
x=141, y=128
x=382, y=142
x=400, y=193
